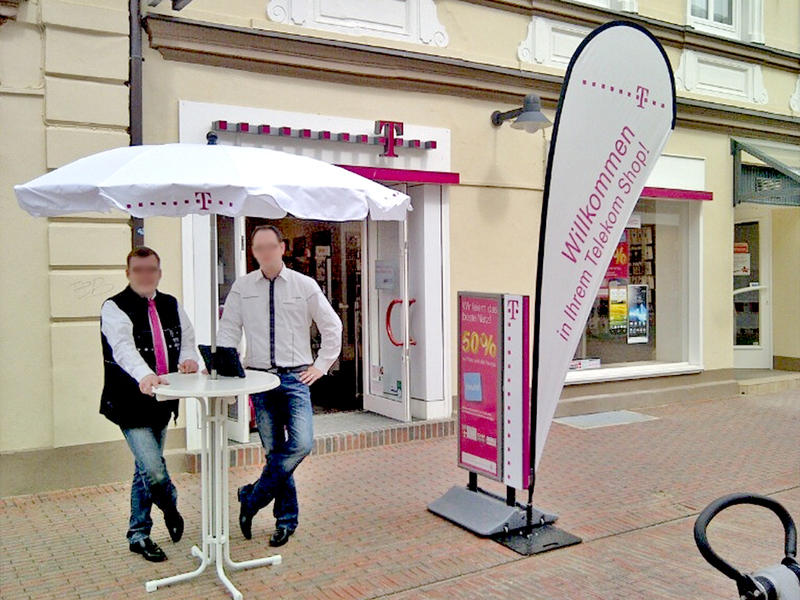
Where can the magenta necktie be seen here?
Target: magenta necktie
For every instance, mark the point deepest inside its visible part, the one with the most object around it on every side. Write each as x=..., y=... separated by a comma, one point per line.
x=158, y=339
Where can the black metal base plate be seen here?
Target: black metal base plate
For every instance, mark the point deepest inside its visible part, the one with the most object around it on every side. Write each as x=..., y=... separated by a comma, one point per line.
x=541, y=539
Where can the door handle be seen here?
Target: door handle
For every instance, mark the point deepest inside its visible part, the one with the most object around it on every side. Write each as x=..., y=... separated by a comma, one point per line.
x=389, y=310
x=744, y=290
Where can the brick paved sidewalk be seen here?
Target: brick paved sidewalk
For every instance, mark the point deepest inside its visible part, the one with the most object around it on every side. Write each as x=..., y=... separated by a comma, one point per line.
x=630, y=491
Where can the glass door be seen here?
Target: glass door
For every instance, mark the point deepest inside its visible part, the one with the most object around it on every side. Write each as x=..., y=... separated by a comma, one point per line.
x=387, y=342
x=231, y=264
x=752, y=327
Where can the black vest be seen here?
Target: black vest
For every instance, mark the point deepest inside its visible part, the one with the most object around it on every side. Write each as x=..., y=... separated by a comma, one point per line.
x=121, y=401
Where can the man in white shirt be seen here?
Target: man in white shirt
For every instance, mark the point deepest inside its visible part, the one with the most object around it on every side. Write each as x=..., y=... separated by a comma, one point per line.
x=275, y=306
x=145, y=334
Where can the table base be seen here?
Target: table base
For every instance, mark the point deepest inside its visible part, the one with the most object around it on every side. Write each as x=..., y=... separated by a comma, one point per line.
x=215, y=462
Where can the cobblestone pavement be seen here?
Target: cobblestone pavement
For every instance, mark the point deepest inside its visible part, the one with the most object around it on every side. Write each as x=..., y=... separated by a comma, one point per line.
x=632, y=492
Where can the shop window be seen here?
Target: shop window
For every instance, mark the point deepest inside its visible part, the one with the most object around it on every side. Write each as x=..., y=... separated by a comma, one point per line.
x=737, y=19
x=643, y=314
x=412, y=21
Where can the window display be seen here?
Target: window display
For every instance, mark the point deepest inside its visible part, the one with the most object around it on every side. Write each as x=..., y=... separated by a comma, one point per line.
x=640, y=314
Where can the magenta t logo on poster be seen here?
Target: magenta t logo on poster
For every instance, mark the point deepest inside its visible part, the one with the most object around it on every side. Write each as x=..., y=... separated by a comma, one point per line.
x=513, y=309
x=641, y=95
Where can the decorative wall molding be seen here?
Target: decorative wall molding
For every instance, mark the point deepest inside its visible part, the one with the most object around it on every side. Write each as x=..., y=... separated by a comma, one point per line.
x=412, y=21
x=8, y=10
x=292, y=55
x=720, y=77
x=669, y=34
x=550, y=43
x=794, y=99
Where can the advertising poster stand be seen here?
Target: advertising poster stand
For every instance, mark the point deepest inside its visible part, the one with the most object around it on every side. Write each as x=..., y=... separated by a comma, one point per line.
x=494, y=425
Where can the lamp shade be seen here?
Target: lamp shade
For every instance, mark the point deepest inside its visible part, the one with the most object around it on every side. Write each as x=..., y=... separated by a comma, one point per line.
x=531, y=118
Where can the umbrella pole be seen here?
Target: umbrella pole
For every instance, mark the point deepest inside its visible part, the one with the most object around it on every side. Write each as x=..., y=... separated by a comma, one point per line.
x=212, y=236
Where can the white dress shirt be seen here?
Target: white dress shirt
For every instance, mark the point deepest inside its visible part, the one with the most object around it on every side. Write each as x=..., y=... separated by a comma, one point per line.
x=118, y=329
x=298, y=300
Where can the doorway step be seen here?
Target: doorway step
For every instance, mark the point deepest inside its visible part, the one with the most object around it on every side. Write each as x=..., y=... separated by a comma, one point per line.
x=342, y=432
x=766, y=381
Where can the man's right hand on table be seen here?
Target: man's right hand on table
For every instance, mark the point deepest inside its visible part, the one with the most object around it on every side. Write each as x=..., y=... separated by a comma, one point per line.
x=148, y=382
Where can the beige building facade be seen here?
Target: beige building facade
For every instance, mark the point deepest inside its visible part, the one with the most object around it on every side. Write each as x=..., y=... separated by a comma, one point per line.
x=440, y=67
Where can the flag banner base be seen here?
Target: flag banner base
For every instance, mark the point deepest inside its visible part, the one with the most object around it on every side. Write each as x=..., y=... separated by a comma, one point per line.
x=484, y=513
x=535, y=540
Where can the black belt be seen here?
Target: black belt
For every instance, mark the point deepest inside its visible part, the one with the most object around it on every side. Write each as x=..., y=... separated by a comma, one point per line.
x=282, y=370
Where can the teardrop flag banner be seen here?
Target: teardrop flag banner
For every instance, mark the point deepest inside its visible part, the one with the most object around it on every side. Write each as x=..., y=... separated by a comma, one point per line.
x=616, y=111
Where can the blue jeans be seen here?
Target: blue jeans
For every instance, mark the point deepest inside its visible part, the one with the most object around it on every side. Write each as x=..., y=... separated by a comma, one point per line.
x=151, y=481
x=286, y=428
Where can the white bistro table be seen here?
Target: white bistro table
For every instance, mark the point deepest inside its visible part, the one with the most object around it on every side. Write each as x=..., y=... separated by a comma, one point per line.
x=213, y=396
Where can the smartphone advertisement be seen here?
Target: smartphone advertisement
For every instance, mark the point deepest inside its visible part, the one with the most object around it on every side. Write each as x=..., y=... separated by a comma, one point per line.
x=638, y=314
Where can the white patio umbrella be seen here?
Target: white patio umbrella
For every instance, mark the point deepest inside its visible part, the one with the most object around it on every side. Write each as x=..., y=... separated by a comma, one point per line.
x=182, y=179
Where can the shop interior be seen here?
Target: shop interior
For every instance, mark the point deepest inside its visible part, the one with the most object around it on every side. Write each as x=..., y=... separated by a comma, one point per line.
x=330, y=253
x=649, y=264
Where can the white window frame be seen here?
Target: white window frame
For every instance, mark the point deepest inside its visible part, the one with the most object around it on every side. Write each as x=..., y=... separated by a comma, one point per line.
x=747, y=22
x=631, y=6
x=709, y=25
x=681, y=172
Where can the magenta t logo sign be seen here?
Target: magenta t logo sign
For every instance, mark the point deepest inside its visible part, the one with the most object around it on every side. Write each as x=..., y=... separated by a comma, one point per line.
x=641, y=95
x=203, y=197
x=389, y=129
x=513, y=309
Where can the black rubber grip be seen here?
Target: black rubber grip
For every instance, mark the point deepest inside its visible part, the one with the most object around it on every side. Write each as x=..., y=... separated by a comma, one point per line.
x=720, y=504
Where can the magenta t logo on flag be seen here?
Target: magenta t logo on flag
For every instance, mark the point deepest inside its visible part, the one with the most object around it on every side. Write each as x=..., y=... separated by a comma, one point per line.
x=616, y=111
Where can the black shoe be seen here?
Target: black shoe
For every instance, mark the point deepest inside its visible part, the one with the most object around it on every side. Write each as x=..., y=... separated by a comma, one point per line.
x=245, y=519
x=280, y=537
x=174, y=522
x=149, y=549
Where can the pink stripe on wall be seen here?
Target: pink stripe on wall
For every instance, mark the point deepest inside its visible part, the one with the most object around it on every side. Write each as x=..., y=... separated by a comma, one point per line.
x=676, y=194
x=404, y=175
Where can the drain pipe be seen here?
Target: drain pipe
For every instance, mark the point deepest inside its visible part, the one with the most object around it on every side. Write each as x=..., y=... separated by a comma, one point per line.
x=135, y=61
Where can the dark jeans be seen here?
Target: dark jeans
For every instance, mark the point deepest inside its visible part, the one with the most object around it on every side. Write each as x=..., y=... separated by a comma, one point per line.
x=284, y=419
x=151, y=481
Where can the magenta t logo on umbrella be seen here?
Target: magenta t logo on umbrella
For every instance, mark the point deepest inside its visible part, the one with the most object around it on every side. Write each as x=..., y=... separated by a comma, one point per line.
x=181, y=179
x=616, y=111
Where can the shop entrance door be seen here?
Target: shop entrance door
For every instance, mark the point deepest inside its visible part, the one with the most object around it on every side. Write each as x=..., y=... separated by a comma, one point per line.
x=387, y=341
x=199, y=297
x=752, y=310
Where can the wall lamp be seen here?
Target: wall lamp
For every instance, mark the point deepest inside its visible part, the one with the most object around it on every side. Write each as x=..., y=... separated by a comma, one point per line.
x=529, y=117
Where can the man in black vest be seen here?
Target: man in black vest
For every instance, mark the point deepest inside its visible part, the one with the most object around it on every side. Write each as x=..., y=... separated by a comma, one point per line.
x=145, y=334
